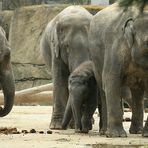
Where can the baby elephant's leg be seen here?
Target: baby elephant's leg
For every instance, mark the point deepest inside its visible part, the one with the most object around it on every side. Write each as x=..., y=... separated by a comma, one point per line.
x=88, y=115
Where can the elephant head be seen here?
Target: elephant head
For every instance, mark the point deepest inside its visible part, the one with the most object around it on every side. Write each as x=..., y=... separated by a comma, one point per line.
x=136, y=35
x=78, y=88
x=70, y=36
x=6, y=75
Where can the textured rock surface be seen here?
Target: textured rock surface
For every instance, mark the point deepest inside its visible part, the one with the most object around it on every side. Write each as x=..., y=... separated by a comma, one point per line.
x=13, y=4
x=27, y=26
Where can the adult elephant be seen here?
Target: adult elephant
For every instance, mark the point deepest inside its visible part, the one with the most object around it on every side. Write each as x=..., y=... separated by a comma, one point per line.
x=6, y=75
x=65, y=46
x=119, y=50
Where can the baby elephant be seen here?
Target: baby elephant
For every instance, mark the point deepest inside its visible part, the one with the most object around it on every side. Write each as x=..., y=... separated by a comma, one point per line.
x=82, y=100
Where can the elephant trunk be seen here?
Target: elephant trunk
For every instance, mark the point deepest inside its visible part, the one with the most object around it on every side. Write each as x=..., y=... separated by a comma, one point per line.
x=8, y=87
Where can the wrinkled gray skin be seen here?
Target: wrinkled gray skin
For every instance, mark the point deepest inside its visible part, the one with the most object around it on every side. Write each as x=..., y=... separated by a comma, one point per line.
x=65, y=45
x=83, y=98
x=119, y=49
x=6, y=75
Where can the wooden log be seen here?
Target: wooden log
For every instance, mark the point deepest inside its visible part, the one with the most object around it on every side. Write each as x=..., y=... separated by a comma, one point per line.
x=42, y=98
x=34, y=90
x=41, y=95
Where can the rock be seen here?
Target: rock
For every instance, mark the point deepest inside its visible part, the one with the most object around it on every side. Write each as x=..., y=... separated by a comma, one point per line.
x=30, y=75
x=13, y=4
x=49, y=132
x=27, y=26
x=32, y=131
x=25, y=132
x=6, y=131
x=41, y=132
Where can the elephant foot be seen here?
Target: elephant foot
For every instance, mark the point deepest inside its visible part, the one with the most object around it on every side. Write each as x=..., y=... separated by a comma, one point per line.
x=56, y=123
x=116, y=132
x=85, y=129
x=86, y=125
x=135, y=129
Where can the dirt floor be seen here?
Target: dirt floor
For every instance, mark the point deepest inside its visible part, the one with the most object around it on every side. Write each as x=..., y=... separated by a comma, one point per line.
x=35, y=119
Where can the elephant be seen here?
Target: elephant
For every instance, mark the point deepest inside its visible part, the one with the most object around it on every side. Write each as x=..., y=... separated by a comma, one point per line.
x=119, y=50
x=83, y=98
x=6, y=75
x=64, y=47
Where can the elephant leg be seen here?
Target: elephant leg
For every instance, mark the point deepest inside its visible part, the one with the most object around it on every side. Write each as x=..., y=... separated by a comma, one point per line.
x=103, y=113
x=114, y=110
x=60, y=92
x=137, y=111
x=67, y=115
x=87, y=116
x=86, y=121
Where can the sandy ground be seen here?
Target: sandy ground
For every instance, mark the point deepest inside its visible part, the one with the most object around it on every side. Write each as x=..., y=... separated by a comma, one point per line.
x=38, y=117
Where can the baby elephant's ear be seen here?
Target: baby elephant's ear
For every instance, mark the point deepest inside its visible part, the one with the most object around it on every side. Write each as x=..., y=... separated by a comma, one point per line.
x=128, y=30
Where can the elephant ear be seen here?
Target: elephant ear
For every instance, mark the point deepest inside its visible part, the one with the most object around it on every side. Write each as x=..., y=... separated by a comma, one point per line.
x=55, y=41
x=128, y=30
